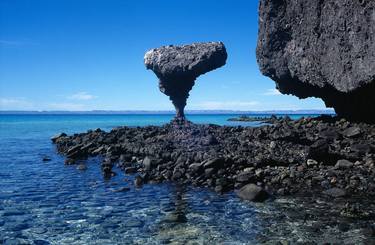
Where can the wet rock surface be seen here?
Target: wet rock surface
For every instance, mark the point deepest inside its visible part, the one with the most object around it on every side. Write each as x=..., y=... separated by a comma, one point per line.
x=307, y=156
x=177, y=68
x=321, y=49
x=252, y=192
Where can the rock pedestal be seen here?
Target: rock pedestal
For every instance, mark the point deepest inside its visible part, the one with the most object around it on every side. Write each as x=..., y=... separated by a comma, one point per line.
x=177, y=68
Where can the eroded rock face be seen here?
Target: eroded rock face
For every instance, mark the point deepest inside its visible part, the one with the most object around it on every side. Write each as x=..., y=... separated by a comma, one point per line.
x=177, y=67
x=321, y=48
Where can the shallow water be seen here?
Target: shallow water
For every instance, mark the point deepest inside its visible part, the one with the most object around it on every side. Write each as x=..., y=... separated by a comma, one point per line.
x=51, y=203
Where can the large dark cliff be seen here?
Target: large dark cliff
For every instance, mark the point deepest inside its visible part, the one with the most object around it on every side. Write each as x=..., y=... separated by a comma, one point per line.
x=321, y=48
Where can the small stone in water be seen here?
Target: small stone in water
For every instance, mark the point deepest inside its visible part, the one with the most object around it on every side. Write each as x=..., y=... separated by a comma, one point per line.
x=133, y=223
x=138, y=181
x=176, y=217
x=123, y=189
x=46, y=159
x=130, y=170
x=82, y=167
x=38, y=230
x=69, y=161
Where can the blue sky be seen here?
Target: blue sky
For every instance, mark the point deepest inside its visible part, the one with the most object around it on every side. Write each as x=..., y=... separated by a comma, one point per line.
x=88, y=55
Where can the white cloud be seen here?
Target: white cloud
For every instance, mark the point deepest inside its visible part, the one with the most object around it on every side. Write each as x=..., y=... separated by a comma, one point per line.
x=66, y=107
x=81, y=96
x=15, y=104
x=225, y=105
x=272, y=92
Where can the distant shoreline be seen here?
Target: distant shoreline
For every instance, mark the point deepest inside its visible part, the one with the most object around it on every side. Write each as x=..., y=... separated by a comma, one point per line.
x=191, y=112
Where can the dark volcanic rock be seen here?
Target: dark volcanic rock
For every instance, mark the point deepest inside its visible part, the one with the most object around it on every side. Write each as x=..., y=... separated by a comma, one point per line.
x=321, y=49
x=56, y=137
x=335, y=192
x=177, y=67
x=287, y=157
x=344, y=164
x=252, y=192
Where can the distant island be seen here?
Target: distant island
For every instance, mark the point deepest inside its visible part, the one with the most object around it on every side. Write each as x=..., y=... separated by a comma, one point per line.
x=245, y=118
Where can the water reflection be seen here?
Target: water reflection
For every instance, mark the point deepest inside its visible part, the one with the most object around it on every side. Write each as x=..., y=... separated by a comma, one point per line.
x=179, y=202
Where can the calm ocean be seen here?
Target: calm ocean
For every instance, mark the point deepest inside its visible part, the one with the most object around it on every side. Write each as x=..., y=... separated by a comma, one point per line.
x=51, y=203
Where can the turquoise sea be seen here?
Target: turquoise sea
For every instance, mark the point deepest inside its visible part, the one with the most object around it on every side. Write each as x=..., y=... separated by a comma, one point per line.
x=51, y=203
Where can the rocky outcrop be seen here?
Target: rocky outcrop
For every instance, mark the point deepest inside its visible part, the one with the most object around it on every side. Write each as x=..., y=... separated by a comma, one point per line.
x=307, y=155
x=177, y=67
x=321, y=48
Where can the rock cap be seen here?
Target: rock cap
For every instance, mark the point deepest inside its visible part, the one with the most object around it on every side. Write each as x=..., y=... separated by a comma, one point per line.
x=187, y=60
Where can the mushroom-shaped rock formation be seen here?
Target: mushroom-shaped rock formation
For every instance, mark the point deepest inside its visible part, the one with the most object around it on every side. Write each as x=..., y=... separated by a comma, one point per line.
x=324, y=49
x=177, y=67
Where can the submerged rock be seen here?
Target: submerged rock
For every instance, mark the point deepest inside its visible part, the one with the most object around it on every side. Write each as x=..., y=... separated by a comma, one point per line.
x=138, y=181
x=175, y=217
x=46, y=159
x=177, y=67
x=82, y=167
x=322, y=49
x=122, y=189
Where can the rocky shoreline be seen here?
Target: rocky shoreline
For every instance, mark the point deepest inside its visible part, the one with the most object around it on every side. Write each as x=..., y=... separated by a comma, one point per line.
x=325, y=155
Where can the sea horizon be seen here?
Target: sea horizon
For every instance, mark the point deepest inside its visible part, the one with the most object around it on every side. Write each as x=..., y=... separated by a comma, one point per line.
x=168, y=112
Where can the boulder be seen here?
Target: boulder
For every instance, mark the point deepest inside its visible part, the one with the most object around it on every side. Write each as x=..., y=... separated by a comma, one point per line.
x=352, y=132
x=344, y=164
x=177, y=68
x=322, y=49
x=252, y=192
x=195, y=167
x=245, y=177
x=214, y=163
x=148, y=163
x=138, y=181
x=335, y=192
